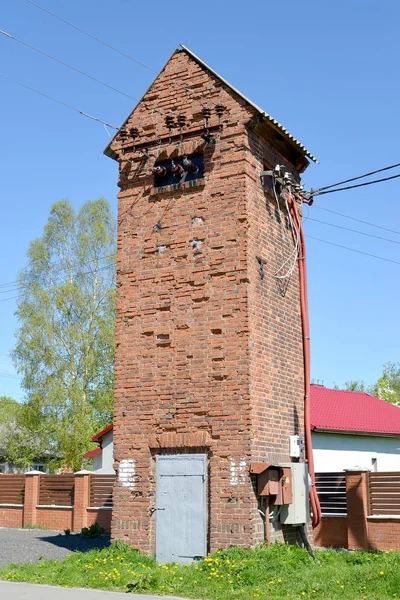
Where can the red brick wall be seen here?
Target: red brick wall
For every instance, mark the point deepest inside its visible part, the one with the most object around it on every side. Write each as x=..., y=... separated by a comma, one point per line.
x=276, y=350
x=11, y=516
x=55, y=518
x=331, y=532
x=202, y=347
x=100, y=516
x=384, y=534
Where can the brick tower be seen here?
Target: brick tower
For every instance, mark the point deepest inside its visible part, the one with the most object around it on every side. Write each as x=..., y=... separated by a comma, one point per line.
x=209, y=360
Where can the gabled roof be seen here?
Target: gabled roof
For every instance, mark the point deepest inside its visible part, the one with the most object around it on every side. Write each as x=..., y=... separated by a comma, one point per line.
x=352, y=412
x=288, y=136
x=102, y=433
x=93, y=453
x=268, y=117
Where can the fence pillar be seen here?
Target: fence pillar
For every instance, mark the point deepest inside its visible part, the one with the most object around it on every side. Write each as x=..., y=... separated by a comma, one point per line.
x=31, y=497
x=81, y=499
x=357, y=509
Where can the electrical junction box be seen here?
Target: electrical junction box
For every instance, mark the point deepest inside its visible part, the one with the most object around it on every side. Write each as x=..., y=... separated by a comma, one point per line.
x=298, y=512
x=295, y=446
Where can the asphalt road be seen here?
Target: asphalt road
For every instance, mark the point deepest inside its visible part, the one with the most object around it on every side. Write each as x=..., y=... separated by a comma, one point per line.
x=32, y=545
x=30, y=591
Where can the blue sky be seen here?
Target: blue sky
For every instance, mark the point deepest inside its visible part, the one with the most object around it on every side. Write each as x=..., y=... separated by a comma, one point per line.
x=327, y=71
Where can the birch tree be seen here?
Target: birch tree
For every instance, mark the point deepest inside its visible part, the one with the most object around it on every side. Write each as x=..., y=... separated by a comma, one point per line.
x=65, y=337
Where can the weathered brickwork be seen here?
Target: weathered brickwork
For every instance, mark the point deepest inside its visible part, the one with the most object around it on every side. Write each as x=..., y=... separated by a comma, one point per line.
x=208, y=342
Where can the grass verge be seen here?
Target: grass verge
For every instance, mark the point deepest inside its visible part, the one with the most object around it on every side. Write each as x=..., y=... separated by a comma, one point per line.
x=283, y=571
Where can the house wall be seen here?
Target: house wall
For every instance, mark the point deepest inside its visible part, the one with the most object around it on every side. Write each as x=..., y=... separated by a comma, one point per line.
x=97, y=463
x=208, y=356
x=337, y=452
x=107, y=453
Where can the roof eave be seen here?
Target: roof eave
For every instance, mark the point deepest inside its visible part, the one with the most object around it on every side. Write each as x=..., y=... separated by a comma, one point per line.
x=354, y=432
x=278, y=126
x=265, y=115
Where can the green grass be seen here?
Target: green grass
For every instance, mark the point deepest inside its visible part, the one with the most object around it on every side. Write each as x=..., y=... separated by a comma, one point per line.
x=283, y=571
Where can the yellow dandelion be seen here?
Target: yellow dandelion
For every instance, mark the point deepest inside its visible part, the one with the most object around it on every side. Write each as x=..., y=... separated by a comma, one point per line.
x=381, y=572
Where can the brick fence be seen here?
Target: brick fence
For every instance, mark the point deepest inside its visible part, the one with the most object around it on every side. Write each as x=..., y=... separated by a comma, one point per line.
x=371, y=517
x=56, y=501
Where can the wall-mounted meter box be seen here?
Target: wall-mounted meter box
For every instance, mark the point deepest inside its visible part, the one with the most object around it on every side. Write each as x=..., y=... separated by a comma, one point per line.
x=295, y=446
x=298, y=512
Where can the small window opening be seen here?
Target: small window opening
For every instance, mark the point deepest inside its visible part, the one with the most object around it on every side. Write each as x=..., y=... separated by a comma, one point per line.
x=178, y=170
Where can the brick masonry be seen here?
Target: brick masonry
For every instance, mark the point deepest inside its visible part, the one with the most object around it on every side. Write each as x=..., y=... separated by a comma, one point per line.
x=55, y=517
x=358, y=530
x=208, y=343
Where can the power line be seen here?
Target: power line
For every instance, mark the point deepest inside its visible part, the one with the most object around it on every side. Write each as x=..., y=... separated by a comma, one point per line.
x=61, y=62
x=15, y=282
x=11, y=298
x=9, y=376
x=354, y=250
x=326, y=187
x=377, y=237
x=7, y=284
x=350, y=187
x=75, y=275
x=355, y=219
x=92, y=36
x=80, y=112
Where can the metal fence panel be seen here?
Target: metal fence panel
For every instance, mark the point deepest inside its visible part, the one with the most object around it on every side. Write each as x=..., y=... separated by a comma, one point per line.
x=384, y=493
x=101, y=490
x=331, y=490
x=57, y=490
x=12, y=488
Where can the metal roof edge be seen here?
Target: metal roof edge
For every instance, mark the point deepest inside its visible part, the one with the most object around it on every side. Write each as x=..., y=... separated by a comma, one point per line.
x=255, y=106
x=355, y=432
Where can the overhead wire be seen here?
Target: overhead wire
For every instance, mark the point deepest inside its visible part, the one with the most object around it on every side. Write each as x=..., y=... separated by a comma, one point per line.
x=313, y=193
x=61, y=62
x=76, y=274
x=296, y=238
x=356, y=219
x=107, y=45
x=396, y=262
x=128, y=56
x=377, y=237
x=15, y=282
x=80, y=112
x=326, y=187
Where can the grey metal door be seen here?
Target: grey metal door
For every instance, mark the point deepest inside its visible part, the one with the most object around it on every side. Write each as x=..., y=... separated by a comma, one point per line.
x=180, y=507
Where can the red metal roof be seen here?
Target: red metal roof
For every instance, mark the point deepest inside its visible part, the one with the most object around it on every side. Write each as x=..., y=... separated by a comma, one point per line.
x=92, y=453
x=98, y=436
x=357, y=412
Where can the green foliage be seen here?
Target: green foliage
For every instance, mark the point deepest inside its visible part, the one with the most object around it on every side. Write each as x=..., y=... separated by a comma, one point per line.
x=65, y=338
x=67, y=531
x=388, y=385
x=31, y=526
x=280, y=572
x=94, y=531
x=355, y=386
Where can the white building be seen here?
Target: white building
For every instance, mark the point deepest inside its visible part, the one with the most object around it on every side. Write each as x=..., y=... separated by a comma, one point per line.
x=103, y=457
x=353, y=430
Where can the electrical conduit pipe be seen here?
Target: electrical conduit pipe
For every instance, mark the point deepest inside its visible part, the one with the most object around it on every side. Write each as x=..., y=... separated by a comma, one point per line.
x=295, y=212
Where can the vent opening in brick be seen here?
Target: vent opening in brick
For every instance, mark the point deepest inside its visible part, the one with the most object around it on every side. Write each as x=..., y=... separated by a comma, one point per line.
x=178, y=170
